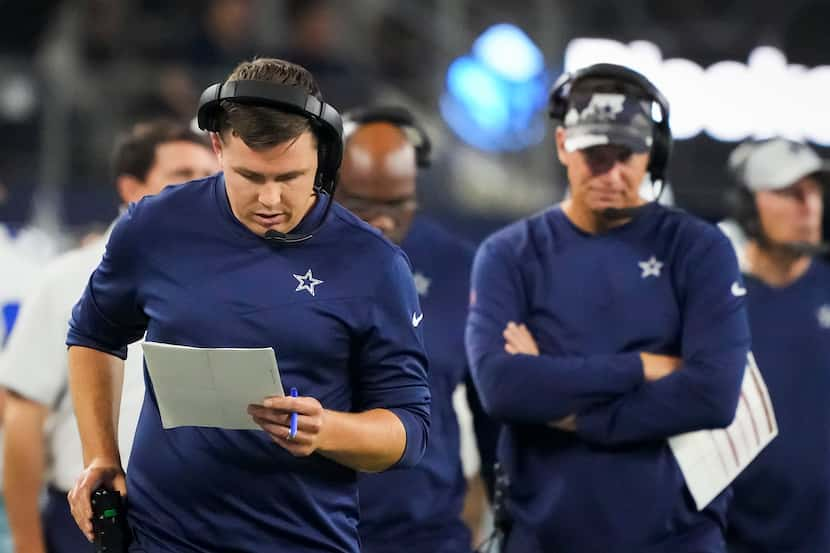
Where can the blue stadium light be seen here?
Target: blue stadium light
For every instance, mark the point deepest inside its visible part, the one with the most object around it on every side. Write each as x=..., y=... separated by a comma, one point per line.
x=509, y=52
x=493, y=95
x=481, y=91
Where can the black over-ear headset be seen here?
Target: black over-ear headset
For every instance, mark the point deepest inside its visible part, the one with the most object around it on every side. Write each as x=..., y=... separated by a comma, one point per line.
x=325, y=123
x=741, y=200
x=661, y=144
x=400, y=117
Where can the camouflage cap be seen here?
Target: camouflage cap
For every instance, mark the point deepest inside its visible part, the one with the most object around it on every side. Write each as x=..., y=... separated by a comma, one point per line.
x=598, y=118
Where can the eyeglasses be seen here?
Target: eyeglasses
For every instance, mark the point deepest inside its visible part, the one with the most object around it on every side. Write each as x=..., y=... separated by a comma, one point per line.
x=368, y=208
x=601, y=159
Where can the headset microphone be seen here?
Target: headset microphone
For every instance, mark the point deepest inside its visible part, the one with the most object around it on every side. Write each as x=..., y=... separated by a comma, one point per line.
x=617, y=213
x=290, y=238
x=803, y=249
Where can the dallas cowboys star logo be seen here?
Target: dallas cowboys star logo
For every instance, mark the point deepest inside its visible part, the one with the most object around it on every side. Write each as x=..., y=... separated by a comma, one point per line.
x=651, y=267
x=307, y=282
x=421, y=283
x=824, y=316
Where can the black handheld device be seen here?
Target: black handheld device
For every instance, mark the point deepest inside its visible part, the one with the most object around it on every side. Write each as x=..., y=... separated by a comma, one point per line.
x=109, y=522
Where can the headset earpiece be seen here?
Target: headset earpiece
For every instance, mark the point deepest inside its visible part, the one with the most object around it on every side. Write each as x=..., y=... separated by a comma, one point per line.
x=743, y=210
x=741, y=200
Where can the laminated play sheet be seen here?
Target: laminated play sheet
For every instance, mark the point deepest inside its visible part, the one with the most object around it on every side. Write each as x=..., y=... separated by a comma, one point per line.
x=211, y=387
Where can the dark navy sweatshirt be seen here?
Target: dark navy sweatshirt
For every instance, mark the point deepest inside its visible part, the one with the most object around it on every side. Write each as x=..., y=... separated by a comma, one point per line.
x=660, y=283
x=338, y=311
x=418, y=510
x=782, y=499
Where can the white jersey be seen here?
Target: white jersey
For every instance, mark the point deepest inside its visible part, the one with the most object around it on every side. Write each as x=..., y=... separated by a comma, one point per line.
x=30, y=243
x=22, y=257
x=17, y=274
x=18, y=271
x=35, y=364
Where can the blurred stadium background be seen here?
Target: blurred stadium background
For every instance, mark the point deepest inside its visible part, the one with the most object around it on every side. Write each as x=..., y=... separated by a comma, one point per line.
x=75, y=72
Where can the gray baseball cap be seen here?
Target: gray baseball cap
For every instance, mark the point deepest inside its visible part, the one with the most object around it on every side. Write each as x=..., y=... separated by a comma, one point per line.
x=598, y=118
x=775, y=164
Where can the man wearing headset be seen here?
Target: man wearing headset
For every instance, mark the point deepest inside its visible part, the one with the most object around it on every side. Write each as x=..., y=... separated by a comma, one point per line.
x=419, y=509
x=782, y=499
x=601, y=327
x=257, y=255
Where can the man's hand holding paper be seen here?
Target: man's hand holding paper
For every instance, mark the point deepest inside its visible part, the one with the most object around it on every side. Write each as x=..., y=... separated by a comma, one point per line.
x=274, y=417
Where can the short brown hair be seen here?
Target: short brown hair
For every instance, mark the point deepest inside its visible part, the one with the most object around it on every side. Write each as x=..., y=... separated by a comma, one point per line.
x=135, y=150
x=263, y=127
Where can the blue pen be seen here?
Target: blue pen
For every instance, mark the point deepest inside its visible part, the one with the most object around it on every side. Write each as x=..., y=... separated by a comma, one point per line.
x=292, y=430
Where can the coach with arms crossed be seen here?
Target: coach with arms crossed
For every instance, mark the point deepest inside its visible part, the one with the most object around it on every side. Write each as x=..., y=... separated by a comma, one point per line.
x=601, y=327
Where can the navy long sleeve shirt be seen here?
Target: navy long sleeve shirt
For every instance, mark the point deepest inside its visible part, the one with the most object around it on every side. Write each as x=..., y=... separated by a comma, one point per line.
x=418, y=510
x=782, y=499
x=661, y=284
x=338, y=312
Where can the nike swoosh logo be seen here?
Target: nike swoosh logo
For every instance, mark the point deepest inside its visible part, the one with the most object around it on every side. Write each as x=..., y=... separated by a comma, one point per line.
x=416, y=319
x=738, y=290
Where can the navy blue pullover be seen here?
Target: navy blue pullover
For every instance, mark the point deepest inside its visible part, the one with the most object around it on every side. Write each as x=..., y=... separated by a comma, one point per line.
x=782, y=499
x=181, y=266
x=660, y=283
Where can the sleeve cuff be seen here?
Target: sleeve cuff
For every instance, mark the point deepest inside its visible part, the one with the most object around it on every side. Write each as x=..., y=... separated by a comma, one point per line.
x=629, y=370
x=75, y=339
x=416, y=428
x=593, y=425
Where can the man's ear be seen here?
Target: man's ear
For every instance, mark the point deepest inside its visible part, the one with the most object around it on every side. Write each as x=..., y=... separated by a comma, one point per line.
x=216, y=144
x=560, y=146
x=129, y=188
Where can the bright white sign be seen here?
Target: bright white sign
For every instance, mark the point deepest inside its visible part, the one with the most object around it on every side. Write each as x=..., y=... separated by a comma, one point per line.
x=729, y=100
